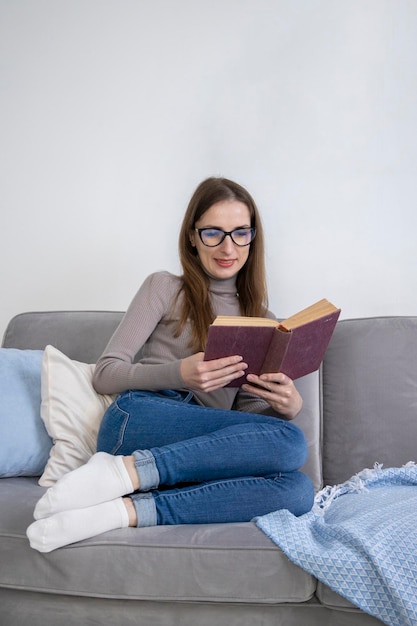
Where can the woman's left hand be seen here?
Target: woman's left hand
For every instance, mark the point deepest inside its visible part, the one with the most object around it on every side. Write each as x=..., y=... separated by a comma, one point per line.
x=278, y=390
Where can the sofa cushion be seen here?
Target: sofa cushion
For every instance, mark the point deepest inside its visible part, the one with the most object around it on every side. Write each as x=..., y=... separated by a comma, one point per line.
x=209, y=563
x=369, y=396
x=71, y=410
x=24, y=441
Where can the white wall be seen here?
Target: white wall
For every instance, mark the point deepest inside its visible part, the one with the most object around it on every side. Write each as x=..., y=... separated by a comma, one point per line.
x=112, y=111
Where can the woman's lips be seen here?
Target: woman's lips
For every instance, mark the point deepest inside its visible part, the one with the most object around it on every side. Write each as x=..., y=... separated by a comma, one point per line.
x=225, y=262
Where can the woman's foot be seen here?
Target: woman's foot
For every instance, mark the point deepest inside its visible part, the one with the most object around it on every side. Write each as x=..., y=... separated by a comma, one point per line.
x=104, y=478
x=69, y=527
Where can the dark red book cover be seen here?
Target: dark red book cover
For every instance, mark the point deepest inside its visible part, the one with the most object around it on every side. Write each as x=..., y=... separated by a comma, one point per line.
x=305, y=348
x=266, y=349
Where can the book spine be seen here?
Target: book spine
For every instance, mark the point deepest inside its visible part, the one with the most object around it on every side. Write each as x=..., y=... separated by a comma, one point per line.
x=278, y=348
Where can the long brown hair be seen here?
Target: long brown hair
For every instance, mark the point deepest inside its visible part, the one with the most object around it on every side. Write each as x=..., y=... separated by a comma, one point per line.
x=250, y=282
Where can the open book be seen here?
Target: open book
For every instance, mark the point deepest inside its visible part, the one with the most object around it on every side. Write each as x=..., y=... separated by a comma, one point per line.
x=295, y=346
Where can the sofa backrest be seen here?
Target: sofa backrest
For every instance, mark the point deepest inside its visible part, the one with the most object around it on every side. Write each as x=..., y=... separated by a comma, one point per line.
x=369, y=396
x=81, y=335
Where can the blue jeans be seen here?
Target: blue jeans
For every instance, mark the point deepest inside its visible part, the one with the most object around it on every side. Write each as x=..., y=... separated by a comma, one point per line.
x=201, y=465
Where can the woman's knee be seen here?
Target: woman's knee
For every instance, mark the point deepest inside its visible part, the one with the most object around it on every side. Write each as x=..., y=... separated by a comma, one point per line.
x=292, y=444
x=304, y=493
x=296, y=490
x=298, y=444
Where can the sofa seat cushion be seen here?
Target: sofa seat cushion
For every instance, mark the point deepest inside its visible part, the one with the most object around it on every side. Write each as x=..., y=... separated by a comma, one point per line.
x=214, y=562
x=331, y=599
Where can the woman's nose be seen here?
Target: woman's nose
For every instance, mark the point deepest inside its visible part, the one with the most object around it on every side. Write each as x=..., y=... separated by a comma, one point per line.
x=227, y=244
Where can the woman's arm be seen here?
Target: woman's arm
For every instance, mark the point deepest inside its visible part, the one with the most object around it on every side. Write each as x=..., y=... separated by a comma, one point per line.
x=116, y=370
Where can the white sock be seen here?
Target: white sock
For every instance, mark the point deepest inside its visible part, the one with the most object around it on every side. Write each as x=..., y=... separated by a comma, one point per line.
x=68, y=527
x=103, y=478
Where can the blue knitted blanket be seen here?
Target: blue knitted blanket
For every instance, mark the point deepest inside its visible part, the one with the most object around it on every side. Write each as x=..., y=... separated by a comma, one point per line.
x=360, y=539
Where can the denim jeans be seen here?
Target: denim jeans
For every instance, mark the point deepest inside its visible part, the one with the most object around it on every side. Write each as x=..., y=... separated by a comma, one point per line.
x=198, y=464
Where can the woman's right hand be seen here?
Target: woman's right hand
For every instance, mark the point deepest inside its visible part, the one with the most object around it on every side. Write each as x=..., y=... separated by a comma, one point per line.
x=200, y=375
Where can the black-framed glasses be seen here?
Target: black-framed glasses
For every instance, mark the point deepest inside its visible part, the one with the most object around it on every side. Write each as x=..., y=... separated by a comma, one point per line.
x=213, y=237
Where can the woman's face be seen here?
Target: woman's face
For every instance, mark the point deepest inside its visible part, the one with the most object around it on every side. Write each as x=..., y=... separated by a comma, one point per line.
x=226, y=259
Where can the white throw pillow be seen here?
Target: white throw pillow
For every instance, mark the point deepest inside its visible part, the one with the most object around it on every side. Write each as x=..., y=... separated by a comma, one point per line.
x=72, y=412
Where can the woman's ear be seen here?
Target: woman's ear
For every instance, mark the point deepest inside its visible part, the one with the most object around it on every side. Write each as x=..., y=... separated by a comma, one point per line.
x=192, y=238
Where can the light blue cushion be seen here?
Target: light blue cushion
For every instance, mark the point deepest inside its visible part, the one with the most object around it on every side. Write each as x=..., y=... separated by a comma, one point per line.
x=24, y=442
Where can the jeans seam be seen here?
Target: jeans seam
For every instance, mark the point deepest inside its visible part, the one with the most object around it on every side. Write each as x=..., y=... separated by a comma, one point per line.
x=209, y=484
x=122, y=429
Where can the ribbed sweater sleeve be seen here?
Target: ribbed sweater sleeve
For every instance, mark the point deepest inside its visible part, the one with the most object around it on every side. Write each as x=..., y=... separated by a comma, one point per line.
x=145, y=330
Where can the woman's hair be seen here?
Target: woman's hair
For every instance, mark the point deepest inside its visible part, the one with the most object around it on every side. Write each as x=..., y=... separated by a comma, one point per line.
x=250, y=281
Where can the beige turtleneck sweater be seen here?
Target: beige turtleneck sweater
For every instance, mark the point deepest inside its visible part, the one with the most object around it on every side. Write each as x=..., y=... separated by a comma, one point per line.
x=147, y=327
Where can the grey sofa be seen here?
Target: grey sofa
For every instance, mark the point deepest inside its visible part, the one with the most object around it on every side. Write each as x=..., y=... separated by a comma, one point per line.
x=361, y=408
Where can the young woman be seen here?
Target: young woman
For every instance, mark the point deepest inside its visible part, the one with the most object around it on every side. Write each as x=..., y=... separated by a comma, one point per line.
x=178, y=446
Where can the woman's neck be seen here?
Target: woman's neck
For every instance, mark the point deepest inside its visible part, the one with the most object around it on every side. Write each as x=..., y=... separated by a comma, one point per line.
x=223, y=286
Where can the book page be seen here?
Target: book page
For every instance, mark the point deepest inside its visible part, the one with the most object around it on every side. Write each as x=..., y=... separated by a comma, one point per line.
x=313, y=312
x=238, y=320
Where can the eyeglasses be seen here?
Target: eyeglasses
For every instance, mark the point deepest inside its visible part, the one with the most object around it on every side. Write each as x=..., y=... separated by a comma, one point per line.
x=213, y=237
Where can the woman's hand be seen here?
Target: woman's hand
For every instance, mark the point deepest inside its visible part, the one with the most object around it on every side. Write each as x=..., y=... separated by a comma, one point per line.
x=278, y=390
x=200, y=375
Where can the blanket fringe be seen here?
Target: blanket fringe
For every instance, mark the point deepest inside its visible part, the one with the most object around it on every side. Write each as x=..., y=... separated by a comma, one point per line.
x=356, y=484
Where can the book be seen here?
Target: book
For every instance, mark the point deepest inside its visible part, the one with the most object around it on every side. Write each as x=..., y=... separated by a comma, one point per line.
x=295, y=346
